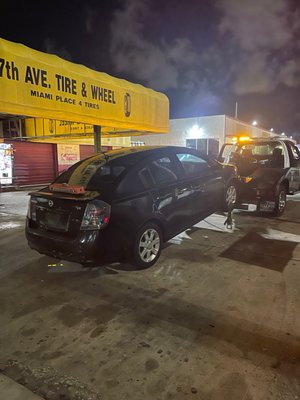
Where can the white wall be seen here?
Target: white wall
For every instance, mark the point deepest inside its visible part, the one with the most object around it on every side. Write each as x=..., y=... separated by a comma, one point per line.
x=234, y=127
x=211, y=127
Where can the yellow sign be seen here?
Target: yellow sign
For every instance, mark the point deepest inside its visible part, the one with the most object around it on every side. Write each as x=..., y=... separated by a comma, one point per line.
x=37, y=84
x=68, y=154
x=50, y=127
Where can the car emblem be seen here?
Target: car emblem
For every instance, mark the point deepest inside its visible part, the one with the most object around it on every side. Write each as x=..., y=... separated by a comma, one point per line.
x=50, y=203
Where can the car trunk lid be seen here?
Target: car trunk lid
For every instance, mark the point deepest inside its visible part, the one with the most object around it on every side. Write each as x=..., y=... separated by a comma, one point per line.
x=60, y=212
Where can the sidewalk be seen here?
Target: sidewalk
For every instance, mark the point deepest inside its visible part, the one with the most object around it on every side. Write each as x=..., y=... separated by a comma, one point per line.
x=14, y=203
x=11, y=390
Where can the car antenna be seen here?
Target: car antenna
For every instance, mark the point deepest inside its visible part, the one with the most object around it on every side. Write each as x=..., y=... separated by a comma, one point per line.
x=106, y=156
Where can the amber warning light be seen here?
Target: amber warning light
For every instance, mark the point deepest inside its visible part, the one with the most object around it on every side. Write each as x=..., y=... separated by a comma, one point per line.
x=240, y=139
x=65, y=188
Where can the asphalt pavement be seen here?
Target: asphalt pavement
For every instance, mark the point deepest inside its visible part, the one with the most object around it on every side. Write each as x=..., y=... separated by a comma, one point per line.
x=215, y=319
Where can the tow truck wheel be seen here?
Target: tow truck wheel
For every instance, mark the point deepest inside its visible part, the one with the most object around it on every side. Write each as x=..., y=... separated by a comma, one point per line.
x=230, y=197
x=280, y=201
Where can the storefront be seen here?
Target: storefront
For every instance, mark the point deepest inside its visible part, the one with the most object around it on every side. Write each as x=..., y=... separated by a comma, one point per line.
x=28, y=163
x=82, y=109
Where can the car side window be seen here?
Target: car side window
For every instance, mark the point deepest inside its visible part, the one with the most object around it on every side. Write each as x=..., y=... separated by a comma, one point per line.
x=131, y=184
x=146, y=178
x=163, y=170
x=192, y=164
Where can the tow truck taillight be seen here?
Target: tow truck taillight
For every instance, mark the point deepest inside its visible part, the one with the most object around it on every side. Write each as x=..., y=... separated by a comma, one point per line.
x=96, y=215
x=32, y=209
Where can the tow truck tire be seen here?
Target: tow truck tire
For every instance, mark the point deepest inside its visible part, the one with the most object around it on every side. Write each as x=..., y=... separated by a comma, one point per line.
x=230, y=197
x=280, y=201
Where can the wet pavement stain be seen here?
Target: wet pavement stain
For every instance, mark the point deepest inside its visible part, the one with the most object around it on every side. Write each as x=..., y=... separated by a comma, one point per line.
x=191, y=255
x=97, y=331
x=232, y=387
x=28, y=331
x=151, y=364
x=71, y=316
x=52, y=355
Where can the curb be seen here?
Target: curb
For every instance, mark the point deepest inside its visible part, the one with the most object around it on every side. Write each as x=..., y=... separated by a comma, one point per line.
x=11, y=390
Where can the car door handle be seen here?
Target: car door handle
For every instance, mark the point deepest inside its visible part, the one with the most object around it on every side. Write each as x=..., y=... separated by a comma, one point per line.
x=198, y=188
x=181, y=191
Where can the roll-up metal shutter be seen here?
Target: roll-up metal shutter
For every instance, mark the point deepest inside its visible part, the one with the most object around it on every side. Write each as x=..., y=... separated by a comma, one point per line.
x=33, y=163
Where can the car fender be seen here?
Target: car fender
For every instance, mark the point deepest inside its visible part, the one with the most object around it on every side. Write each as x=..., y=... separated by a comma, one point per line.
x=159, y=221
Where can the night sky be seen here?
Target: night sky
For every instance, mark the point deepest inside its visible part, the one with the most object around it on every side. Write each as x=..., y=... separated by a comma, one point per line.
x=205, y=55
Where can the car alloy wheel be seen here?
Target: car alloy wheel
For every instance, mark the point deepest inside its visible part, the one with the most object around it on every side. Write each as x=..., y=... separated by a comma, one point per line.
x=147, y=246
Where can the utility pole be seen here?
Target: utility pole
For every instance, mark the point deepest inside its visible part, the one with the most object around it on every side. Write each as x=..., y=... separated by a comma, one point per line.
x=236, y=110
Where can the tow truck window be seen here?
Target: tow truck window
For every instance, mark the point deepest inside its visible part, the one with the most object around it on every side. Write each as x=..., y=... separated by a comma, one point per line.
x=261, y=149
x=295, y=152
x=227, y=151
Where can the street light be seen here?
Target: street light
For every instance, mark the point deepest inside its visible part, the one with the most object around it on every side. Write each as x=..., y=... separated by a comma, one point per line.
x=271, y=130
x=254, y=123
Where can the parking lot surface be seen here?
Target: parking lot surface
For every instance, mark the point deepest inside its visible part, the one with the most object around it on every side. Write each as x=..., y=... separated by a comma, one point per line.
x=216, y=318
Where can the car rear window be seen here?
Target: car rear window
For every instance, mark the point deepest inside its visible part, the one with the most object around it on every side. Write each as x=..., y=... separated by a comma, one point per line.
x=94, y=173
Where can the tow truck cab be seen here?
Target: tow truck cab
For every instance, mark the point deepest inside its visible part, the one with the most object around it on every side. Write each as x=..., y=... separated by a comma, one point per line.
x=268, y=168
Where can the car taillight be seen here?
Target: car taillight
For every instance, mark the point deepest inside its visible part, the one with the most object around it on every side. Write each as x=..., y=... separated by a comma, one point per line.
x=96, y=215
x=32, y=209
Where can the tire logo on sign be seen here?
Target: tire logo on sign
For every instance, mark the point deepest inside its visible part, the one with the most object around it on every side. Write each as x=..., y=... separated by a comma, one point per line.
x=50, y=203
x=51, y=125
x=127, y=105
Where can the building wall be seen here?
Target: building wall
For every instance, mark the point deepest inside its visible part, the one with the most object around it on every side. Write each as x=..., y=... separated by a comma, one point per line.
x=234, y=127
x=218, y=127
x=211, y=127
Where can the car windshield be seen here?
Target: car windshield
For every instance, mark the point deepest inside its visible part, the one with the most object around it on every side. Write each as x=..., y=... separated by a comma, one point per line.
x=94, y=174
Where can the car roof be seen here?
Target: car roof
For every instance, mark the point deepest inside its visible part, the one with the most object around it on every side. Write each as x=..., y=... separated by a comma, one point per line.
x=134, y=154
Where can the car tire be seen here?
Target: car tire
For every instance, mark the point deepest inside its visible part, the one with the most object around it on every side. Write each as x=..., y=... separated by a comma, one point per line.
x=230, y=197
x=280, y=201
x=147, y=246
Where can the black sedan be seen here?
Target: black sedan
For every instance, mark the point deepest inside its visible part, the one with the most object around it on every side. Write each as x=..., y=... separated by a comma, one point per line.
x=122, y=205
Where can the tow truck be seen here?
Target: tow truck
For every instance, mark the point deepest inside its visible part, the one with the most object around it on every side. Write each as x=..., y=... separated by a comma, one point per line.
x=268, y=169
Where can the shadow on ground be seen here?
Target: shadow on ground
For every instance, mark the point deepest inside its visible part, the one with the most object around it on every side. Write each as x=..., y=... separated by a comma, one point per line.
x=254, y=249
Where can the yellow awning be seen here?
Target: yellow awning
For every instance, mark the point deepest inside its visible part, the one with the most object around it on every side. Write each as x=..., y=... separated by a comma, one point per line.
x=37, y=84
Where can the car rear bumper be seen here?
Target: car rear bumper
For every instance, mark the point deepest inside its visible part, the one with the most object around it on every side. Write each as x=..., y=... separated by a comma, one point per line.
x=86, y=248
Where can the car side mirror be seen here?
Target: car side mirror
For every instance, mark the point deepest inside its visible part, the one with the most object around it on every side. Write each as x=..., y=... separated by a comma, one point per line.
x=214, y=164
